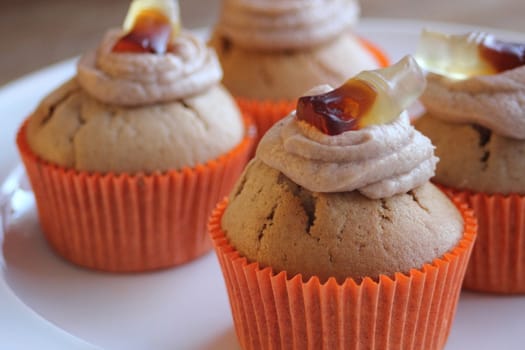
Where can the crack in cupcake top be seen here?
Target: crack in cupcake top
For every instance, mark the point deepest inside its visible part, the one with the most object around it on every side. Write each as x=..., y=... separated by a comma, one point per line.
x=287, y=24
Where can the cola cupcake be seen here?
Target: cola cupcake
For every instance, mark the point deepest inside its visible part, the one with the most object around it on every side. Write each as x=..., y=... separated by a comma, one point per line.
x=475, y=118
x=128, y=158
x=275, y=50
x=334, y=237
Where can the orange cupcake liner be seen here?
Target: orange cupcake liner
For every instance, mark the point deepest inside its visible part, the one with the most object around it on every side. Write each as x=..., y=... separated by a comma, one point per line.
x=380, y=56
x=409, y=311
x=497, y=264
x=264, y=113
x=130, y=223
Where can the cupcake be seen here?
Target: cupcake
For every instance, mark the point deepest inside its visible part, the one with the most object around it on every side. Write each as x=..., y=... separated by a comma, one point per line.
x=129, y=157
x=475, y=118
x=334, y=237
x=273, y=51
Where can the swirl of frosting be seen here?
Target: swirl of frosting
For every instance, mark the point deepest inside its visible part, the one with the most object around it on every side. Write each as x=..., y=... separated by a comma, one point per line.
x=379, y=161
x=287, y=24
x=131, y=79
x=496, y=102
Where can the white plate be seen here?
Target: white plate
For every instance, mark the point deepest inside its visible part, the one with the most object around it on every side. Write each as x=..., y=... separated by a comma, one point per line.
x=47, y=303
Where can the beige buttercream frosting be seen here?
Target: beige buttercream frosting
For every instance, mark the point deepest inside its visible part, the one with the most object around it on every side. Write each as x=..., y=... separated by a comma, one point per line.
x=496, y=102
x=287, y=24
x=130, y=79
x=379, y=161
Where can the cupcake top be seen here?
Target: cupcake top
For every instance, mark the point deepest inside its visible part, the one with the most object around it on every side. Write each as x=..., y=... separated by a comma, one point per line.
x=475, y=101
x=287, y=24
x=379, y=160
x=340, y=187
x=475, y=78
x=187, y=69
x=147, y=99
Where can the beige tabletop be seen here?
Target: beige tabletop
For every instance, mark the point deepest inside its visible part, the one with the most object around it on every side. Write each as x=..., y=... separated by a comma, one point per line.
x=36, y=33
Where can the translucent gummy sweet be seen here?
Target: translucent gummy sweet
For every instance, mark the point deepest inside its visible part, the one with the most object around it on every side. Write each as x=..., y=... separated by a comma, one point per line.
x=169, y=8
x=456, y=56
x=397, y=86
x=150, y=26
x=371, y=97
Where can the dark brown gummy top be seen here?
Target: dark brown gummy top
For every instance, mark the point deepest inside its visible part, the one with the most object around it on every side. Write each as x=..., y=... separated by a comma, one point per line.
x=338, y=110
x=502, y=55
x=151, y=33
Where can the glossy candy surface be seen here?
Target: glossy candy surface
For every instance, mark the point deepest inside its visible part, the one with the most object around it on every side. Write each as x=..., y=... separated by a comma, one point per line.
x=472, y=54
x=372, y=97
x=150, y=27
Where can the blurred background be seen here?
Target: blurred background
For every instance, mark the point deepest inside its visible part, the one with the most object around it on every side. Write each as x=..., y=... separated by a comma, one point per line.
x=36, y=33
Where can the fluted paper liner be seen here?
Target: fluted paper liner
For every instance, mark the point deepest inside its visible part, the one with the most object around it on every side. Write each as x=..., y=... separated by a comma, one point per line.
x=380, y=56
x=497, y=264
x=409, y=311
x=267, y=112
x=130, y=223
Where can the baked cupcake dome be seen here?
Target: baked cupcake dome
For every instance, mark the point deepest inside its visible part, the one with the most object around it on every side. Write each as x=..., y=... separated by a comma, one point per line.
x=340, y=235
x=487, y=162
x=286, y=74
x=276, y=51
x=72, y=129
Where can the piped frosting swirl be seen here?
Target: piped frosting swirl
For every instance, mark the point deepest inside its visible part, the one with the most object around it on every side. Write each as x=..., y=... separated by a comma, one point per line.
x=287, y=24
x=131, y=79
x=379, y=161
x=475, y=78
x=495, y=101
